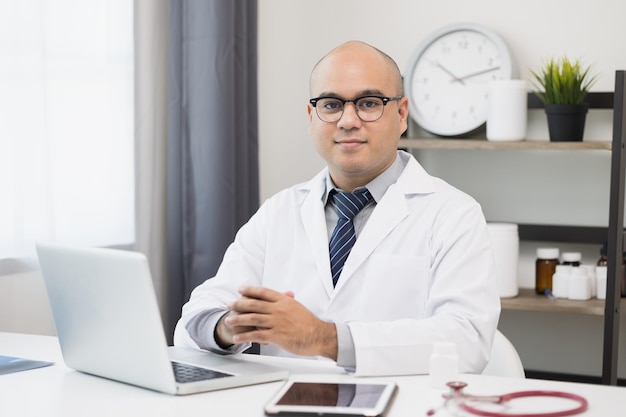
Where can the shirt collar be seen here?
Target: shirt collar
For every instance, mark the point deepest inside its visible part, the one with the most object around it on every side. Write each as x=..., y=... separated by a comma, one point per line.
x=378, y=186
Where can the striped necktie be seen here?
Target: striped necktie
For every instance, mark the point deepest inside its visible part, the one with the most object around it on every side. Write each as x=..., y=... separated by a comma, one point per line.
x=344, y=236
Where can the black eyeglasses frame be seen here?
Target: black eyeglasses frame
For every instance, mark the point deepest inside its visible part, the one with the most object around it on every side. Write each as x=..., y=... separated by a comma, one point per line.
x=343, y=101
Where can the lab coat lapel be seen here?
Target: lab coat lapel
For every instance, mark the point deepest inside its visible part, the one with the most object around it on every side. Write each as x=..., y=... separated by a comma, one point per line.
x=386, y=216
x=314, y=223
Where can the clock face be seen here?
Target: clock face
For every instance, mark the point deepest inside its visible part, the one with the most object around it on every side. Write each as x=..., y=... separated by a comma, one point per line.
x=449, y=75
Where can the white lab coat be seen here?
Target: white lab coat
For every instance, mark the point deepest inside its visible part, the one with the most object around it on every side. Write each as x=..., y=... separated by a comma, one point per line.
x=421, y=271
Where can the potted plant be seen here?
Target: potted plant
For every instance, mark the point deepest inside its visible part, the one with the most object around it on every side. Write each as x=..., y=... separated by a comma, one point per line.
x=564, y=86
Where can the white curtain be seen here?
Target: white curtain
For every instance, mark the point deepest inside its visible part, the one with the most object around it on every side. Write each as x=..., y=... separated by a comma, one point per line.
x=66, y=124
x=151, y=22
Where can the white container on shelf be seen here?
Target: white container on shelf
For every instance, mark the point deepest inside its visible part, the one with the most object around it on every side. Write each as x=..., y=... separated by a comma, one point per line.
x=505, y=246
x=507, y=110
x=601, y=282
x=560, y=281
x=591, y=273
x=579, y=284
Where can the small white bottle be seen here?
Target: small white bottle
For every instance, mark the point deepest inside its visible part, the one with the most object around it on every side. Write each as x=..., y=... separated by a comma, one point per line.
x=560, y=281
x=601, y=282
x=591, y=273
x=579, y=285
x=444, y=364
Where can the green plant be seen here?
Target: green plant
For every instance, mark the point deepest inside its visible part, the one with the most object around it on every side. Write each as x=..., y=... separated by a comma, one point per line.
x=563, y=81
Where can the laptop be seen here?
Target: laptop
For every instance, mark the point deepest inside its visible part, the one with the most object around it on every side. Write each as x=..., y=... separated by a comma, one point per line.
x=108, y=324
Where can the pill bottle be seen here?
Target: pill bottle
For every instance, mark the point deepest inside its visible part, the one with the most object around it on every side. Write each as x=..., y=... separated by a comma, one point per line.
x=571, y=258
x=591, y=274
x=604, y=260
x=601, y=282
x=579, y=285
x=545, y=267
x=444, y=364
x=560, y=281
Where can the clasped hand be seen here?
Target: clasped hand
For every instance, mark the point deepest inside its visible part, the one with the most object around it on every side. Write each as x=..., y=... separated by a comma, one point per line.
x=265, y=316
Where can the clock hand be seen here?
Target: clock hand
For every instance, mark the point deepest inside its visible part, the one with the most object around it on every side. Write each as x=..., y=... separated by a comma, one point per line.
x=454, y=77
x=477, y=73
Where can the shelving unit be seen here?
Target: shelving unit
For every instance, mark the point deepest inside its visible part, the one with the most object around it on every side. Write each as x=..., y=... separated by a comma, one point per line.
x=482, y=144
x=528, y=300
x=614, y=233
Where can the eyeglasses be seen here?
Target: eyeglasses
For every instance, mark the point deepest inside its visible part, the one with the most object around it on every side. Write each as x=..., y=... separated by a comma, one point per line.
x=368, y=108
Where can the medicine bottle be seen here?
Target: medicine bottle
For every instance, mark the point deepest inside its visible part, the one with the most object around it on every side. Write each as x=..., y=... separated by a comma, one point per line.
x=601, y=282
x=545, y=267
x=571, y=258
x=444, y=364
x=560, y=281
x=604, y=260
x=579, y=284
x=591, y=274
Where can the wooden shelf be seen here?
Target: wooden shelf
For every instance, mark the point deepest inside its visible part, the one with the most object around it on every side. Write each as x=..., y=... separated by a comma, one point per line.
x=528, y=300
x=484, y=144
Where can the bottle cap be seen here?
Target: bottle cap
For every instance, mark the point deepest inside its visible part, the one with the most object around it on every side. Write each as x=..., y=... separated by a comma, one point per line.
x=548, y=253
x=566, y=269
x=572, y=256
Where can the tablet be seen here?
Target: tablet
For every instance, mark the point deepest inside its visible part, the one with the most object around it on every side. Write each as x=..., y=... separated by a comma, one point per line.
x=300, y=398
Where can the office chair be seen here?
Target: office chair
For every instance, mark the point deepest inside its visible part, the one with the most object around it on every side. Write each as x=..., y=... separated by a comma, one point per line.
x=504, y=359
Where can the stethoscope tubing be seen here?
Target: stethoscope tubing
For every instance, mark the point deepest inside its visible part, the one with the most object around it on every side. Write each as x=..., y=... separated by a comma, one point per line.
x=582, y=405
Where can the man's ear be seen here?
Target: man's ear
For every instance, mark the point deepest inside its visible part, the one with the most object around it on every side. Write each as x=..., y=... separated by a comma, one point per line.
x=403, y=111
x=310, y=111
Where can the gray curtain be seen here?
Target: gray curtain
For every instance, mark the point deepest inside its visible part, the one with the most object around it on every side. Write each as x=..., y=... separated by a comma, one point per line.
x=212, y=183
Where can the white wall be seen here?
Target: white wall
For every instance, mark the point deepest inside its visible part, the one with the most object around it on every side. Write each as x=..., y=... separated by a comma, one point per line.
x=537, y=187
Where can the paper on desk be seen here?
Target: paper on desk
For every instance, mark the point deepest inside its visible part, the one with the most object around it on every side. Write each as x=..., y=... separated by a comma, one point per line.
x=10, y=364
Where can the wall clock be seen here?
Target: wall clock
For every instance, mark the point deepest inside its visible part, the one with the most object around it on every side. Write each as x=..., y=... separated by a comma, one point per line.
x=448, y=75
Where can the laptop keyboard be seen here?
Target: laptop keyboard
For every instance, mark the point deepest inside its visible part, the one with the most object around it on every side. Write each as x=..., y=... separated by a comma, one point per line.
x=189, y=373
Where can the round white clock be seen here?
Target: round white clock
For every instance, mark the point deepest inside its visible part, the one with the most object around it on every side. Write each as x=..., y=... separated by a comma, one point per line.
x=447, y=78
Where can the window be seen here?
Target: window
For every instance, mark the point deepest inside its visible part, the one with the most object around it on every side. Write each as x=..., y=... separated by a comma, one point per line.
x=66, y=123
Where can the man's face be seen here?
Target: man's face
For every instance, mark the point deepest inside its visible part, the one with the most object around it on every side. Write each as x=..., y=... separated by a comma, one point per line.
x=356, y=151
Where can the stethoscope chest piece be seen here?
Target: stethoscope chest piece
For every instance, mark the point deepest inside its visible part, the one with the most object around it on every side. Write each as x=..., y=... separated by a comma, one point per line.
x=471, y=403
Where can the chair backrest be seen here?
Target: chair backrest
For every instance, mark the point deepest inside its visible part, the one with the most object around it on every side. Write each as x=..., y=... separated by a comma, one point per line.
x=504, y=359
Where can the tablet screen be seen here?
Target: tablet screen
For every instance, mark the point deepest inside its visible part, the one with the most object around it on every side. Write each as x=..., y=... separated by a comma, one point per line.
x=323, y=398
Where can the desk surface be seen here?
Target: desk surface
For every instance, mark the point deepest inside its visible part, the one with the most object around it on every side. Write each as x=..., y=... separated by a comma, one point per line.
x=60, y=391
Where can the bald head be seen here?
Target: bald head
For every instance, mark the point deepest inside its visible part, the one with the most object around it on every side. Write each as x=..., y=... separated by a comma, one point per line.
x=356, y=52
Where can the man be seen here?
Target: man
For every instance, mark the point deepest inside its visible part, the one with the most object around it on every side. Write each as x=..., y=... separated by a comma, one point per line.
x=420, y=271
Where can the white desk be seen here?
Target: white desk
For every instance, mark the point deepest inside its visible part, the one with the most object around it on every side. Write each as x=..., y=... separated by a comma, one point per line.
x=60, y=391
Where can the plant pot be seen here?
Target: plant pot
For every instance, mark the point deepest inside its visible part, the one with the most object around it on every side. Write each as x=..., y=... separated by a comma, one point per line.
x=566, y=122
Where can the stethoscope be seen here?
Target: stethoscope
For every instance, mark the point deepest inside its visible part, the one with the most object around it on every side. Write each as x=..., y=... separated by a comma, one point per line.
x=470, y=403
